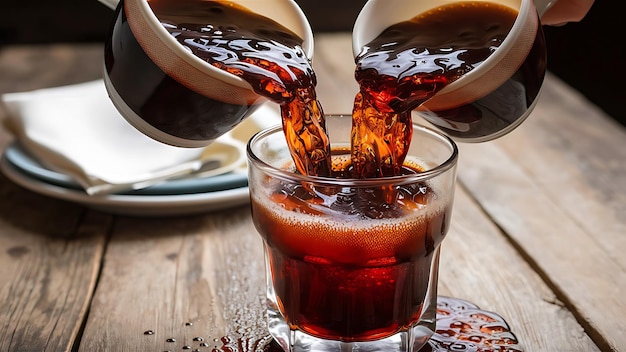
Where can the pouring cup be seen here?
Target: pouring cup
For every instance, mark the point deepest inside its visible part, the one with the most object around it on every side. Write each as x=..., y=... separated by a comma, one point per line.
x=522, y=52
x=170, y=94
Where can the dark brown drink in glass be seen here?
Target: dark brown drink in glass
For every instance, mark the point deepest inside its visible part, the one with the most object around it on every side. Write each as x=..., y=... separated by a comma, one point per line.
x=351, y=261
x=363, y=272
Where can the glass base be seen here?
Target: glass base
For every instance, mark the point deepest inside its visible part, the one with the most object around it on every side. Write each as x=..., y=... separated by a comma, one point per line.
x=410, y=340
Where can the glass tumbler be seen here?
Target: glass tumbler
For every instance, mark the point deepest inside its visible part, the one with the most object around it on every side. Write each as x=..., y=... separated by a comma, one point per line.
x=351, y=264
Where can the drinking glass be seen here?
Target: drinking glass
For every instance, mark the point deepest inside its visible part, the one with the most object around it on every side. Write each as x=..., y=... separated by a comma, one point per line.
x=351, y=264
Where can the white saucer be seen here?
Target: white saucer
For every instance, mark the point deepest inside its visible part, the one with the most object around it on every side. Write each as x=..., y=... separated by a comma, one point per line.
x=146, y=204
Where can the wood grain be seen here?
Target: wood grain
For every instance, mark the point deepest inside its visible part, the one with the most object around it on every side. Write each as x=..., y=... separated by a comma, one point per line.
x=556, y=188
x=208, y=270
x=479, y=264
x=162, y=274
x=49, y=263
x=51, y=250
x=30, y=67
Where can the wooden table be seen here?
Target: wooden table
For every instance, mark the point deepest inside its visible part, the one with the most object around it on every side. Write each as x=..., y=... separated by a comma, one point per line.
x=538, y=236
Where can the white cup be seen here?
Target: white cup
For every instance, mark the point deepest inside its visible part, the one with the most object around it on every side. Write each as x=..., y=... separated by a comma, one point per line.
x=524, y=38
x=170, y=94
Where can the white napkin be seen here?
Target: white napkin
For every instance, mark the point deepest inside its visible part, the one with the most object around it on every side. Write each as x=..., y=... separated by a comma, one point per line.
x=76, y=130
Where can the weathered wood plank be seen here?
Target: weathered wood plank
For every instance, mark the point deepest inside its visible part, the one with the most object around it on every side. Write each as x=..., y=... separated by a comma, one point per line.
x=161, y=274
x=28, y=67
x=578, y=156
x=478, y=264
x=49, y=263
x=556, y=187
x=51, y=249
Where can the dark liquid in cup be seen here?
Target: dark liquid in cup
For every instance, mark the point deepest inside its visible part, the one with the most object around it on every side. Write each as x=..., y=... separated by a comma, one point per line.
x=357, y=268
x=263, y=53
x=411, y=61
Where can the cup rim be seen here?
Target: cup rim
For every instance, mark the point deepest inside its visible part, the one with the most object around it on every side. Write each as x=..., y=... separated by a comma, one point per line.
x=291, y=176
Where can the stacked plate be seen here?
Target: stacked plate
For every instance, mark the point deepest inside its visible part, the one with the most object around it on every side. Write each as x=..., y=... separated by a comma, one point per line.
x=174, y=197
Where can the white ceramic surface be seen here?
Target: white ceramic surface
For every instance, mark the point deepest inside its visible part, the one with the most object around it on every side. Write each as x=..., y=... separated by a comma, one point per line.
x=133, y=205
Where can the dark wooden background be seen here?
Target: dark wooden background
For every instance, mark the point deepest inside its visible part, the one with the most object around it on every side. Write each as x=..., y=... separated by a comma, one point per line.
x=590, y=55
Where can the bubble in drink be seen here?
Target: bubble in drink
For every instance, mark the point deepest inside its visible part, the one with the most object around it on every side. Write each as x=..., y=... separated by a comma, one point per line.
x=346, y=263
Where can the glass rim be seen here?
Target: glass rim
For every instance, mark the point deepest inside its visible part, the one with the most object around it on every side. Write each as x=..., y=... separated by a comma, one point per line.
x=291, y=176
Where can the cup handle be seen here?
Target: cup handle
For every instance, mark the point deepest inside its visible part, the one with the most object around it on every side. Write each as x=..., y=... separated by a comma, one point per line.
x=541, y=5
x=112, y=4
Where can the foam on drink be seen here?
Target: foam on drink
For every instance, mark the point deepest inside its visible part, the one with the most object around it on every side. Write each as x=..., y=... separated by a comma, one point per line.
x=346, y=233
